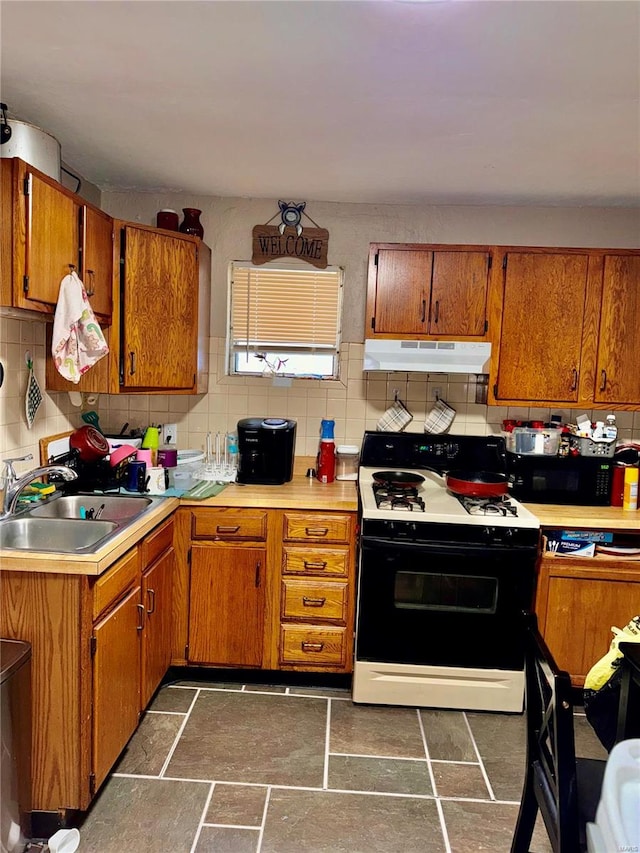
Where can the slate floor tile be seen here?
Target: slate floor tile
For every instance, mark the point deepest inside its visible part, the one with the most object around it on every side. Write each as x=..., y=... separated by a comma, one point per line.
x=375, y=730
x=326, y=822
x=133, y=814
x=447, y=736
x=459, y=780
x=237, y=805
x=148, y=749
x=384, y=775
x=222, y=839
x=252, y=737
x=176, y=699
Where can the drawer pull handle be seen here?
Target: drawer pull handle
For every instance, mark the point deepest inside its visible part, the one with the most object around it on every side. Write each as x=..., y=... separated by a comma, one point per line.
x=140, y=624
x=313, y=602
x=151, y=593
x=221, y=529
x=312, y=647
x=316, y=531
x=574, y=382
x=319, y=565
x=92, y=287
x=258, y=567
x=603, y=380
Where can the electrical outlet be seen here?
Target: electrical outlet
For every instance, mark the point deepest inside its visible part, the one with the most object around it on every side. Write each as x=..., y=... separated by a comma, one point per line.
x=170, y=433
x=437, y=393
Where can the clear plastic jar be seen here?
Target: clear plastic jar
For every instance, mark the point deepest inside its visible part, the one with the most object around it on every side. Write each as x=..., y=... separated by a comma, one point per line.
x=347, y=456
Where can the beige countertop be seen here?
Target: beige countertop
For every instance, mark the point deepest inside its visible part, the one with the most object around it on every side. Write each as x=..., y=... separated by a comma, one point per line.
x=590, y=517
x=301, y=493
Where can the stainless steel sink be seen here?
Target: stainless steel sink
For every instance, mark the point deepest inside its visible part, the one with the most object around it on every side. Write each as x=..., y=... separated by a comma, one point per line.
x=118, y=508
x=65, y=536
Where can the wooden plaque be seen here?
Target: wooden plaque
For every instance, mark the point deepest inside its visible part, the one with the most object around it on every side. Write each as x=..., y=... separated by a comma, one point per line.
x=311, y=246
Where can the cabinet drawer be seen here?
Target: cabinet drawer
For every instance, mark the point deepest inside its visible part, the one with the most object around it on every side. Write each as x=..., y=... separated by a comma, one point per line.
x=311, y=646
x=313, y=601
x=156, y=542
x=229, y=524
x=116, y=581
x=317, y=527
x=322, y=561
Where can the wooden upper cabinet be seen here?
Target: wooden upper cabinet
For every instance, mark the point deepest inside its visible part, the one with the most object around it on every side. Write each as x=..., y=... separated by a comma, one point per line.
x=159, y=309
x=401, y=292
x=618, y=365
x=97, y=260
x=542, y=322
x=43, y=220
x=459, y=293
x=427, y=291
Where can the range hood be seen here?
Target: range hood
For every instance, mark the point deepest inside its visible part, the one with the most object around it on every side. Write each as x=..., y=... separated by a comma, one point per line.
x=426, y=356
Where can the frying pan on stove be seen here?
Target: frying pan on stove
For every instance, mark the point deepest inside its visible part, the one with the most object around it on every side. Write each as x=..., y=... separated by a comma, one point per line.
x=471, y=484
x=476, y=484
x=398, y=479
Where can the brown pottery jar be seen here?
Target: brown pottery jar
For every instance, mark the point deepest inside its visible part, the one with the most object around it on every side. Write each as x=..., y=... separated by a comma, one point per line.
x=191, y=222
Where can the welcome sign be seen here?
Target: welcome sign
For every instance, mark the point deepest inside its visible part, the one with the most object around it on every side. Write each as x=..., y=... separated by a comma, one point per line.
x=270, y=243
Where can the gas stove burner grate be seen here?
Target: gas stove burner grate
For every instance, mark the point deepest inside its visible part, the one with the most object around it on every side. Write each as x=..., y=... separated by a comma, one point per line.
x=488, y=506
x=400, y=498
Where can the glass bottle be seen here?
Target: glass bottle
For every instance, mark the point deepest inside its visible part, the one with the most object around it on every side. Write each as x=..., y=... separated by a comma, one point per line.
x=191, y=223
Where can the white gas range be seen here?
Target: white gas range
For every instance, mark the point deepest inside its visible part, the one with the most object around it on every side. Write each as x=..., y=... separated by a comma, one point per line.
x=442, y=584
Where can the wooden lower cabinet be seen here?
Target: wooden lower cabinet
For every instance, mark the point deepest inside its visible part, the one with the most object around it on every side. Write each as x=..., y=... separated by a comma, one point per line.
x=577, y=602
x=96, y=649
x=116, y=683
x=227, y=605
x=270, y=589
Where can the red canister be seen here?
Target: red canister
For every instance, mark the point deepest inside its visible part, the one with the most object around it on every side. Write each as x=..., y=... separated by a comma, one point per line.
x=617, y=485
x=167, y=219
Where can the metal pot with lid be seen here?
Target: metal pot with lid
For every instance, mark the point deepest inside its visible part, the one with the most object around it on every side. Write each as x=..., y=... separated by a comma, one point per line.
x=90, y=443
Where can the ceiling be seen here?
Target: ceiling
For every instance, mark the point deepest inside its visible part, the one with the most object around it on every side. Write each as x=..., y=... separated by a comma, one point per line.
x=392, y=101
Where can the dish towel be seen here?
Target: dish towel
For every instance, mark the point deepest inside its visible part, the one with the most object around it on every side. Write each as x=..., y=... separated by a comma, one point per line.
x=439, y=418
x=78, y=342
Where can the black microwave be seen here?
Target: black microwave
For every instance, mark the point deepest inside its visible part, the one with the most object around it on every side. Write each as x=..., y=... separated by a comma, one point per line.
x=580, y=480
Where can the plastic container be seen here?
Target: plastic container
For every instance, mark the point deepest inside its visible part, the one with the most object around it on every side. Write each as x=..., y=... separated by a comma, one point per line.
x=588, y=447
x=535, y=442
x=630, y=498
x=347, y=456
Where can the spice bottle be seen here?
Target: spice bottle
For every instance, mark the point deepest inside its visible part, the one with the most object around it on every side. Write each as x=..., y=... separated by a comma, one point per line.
x=327, y=452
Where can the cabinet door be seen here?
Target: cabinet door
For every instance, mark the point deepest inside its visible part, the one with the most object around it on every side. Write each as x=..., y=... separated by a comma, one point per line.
x=159, y=311
x=226, y=605
x=52, y=239
x=618, y=371
x=156, y=635
x=579, y=614
x=116, y=682
x=542, y=320
x=459, y=293
x=402, y=292
x=97, y=259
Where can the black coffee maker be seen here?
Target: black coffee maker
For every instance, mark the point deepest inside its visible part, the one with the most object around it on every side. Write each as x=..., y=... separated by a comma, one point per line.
x=266, y=448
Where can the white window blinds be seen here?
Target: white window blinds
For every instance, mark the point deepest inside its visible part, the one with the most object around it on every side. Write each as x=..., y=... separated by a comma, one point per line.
x=285, y=309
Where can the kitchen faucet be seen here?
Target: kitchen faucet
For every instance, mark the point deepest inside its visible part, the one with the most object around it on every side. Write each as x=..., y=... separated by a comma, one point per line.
x=11, y=485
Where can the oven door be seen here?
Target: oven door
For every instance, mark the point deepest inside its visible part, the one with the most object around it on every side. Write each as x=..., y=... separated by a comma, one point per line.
x=443, y=605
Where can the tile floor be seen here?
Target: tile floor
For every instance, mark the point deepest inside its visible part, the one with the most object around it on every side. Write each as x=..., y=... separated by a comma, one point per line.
x=232, y=768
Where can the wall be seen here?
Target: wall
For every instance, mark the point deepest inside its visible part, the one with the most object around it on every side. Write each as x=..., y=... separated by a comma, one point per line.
x=356, y=402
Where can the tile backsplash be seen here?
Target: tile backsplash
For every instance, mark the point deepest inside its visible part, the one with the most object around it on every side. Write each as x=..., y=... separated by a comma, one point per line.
x=356, y=402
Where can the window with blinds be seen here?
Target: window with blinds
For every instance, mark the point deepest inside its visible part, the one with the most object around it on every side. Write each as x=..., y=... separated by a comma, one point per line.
x=284, y=321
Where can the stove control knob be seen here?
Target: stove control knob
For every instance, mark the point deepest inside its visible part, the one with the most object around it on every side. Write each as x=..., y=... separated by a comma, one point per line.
x=489, y=534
